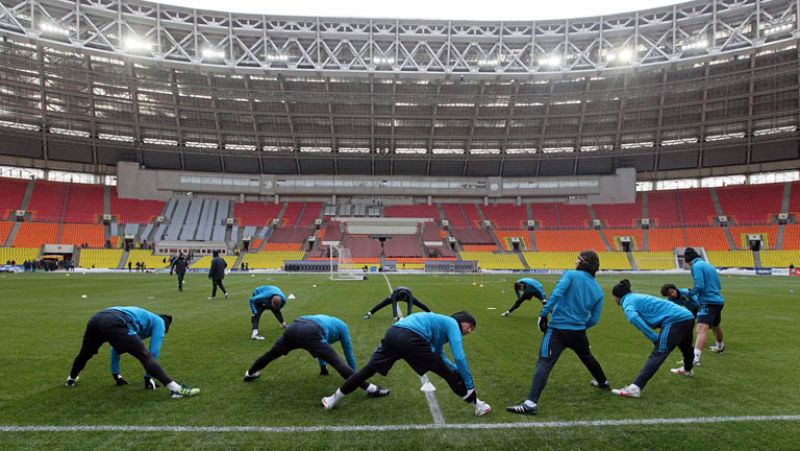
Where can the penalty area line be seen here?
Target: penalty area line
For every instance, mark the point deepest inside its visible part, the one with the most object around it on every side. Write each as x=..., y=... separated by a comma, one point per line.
x=407, y=427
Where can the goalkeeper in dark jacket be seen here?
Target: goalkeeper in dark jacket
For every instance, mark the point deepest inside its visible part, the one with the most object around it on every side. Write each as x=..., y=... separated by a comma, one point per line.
x=401, y=294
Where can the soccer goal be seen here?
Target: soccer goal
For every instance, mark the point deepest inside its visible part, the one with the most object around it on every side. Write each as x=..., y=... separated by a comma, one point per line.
x=342, y=266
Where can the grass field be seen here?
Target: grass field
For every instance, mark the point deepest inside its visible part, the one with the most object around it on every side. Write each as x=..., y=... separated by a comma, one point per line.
x=42, y=318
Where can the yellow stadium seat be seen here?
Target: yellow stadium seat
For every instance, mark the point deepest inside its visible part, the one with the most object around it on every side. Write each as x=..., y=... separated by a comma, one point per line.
x=18, y=254
x=780, y=259
x=731, y=259
x=654, y=260
x=100, y=258
x=270, y=260
x=489, y=260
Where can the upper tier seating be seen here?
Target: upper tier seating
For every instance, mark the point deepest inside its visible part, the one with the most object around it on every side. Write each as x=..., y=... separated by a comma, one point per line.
x=697, y=207
x=77, y=234
x=292, y=213
x=310, y=213
x=619, y=215
x=711, y=238
x=456, y=216
x=568, y=240
x=473, y=216
x=431, y=232
x=412, y=211
x=506, y=216
x=333, y=232
x=290, y=235
x=546, y=215
x=573, y=216
x=13, y=192
x=134, y=211
x=794, y=199
x=255, y=213
x=84, y=204
x=665, y=239
x=663, y=208
x=472, y=236
x=33, y=234
x=403, y=246
x=362, y=246
x=754, y=204
x=47, y=201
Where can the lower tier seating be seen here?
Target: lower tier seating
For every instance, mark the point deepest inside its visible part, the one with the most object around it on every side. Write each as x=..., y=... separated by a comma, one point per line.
x=100, y=258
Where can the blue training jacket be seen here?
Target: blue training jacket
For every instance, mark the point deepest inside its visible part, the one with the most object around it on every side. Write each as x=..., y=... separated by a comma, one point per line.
x=335, y=330
x=146, y=325
x=262, y=295
x=649, y=312
x=438, y=330
x=706, y=283
x=575, y=303
x=532, y=287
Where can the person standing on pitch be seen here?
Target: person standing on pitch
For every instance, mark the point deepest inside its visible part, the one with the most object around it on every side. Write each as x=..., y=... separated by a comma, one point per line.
x=707, y=289
x=316, y=334
x=216, y=273
x=419, y=339
x=124, y=328
x=179, y=266
x=401, y=294
x=647, y=313
x=266, y=297
x=526, y=289
x=575, y=304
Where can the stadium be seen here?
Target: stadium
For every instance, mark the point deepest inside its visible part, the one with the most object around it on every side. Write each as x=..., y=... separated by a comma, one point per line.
x=340, y=158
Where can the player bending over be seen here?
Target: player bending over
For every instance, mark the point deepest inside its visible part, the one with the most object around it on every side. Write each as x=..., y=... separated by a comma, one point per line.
x=266, y=297
x=401, y=294
x=419, y=339
x=526, y=289
x=124, y=328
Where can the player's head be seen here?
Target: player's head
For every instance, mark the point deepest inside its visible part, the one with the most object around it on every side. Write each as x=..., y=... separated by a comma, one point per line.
x=215, y=253
x=465, y=321
x=622, y=288
x=588, y=261
x=402, y=294
x=167, y=321
x=690, y=255
x=276, y=302
x=669, y=290
x=519, y=285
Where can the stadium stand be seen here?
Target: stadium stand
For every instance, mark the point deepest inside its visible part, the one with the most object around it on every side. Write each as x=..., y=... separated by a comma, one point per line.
x=780, y=259
x=752, y=204
x=619, y=215
x=614, y=260
x=506, y=216
x=412, y=211
x=283, y=246
x=568, y=240
x=711, y=238
x=472, y=214
x=505, y=237
x=100, y=258
x=146, y=256
x=204, y=262
x=663, y=208
x=431, y=232
x=309, y=214
x=472, y=236
x=77, y=234
x=489, y=260
x=479, y=247
x=13, y=192
x=456, y=216
x=333, y=231
x=270, y=259
x=134, y=211
x=362, y=246
x=665, y=239
x=573, y=216
x=550, y=260
x=696, y=206
x=794, y=199
x=791, y=236
x=546, y=215
x=290, y=235
x=36, y=234
x=5, y=229
x=255, y=213
x=47, y=201
x=654, y=260
x=731, y=259
x=84, y=204
x=769, y=235
x=18, y=254
x=403, y=246
x=636, y=236
x=291, y=214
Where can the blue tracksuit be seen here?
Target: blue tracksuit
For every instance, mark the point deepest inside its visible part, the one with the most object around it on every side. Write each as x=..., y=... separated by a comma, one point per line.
x=649, y=312
x=706, y=283
x=575, y=303
x=686, y=300
x=532, y=288
x=262, y=295
x=335, y=330
x=438, y=330
x=145, y=325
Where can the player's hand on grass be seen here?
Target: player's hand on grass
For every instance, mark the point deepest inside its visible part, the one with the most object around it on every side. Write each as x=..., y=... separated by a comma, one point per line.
x=119, y=380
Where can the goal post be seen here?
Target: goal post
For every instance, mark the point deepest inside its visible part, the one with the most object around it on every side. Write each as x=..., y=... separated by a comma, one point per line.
x=342, y=266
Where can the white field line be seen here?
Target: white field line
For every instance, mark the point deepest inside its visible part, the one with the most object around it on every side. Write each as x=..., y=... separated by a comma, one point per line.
x=433, y=404
x=407, y=427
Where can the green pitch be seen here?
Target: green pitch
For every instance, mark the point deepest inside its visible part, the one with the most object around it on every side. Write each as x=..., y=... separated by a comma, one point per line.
x=42, y=318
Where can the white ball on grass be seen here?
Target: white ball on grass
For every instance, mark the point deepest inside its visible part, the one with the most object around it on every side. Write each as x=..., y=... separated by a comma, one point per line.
x=83, y=296
x=313, y=286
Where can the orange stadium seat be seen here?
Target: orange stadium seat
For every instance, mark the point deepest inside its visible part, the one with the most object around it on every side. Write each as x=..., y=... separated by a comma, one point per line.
x=5, y=229
x=711, y=238
x=505, y=236
x=769, y=235
x=791, y=236
x=77, y=234
x=636, y=235
x=665, y=239
x=255, y=213
x=568, y=240
x=35, y=234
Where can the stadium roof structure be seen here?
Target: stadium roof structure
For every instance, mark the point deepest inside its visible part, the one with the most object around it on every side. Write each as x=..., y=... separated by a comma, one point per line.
x=696, y=85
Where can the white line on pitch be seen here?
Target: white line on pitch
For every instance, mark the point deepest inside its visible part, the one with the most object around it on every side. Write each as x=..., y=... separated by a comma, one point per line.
x=407, y=427
x=433, y=404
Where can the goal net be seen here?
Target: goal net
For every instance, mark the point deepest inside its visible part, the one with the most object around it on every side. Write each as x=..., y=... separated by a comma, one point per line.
x=342, y=266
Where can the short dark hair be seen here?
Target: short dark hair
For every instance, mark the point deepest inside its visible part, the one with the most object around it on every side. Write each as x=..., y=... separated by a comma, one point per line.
x=215, y=253
x=622, y=288
x=588, y=261
x=464, y=317
x=665, y=289
x=690, y=254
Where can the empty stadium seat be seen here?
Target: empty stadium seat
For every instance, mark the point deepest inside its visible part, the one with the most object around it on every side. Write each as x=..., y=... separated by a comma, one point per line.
x=270, y=259
x=36, y=234
x=546, y=215
x=731, y=259
x=100, y=258
x=412, y=211
x=711, y=238
x=505, y=237
x=489, y=260
x=665, y=239
x=77, y=234
x=204, y=262
x=506, y=216
x=255, y=213
x=780, y=259
x=134, y=211
x=84, y=204
x=20, y=254
x=663, y=208
x=5, y=230
x=568, y=240
x=13, y=192
x=146, y=256
x=48, y=201
x=755, y=204
x=654, y=260
x=619, y=215
x=455, y=216
x=769, y=234
x=613, y=238
x=550, y=260
x=697, y=207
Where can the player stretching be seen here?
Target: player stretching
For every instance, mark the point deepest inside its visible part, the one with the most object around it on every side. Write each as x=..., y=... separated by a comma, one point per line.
x=401, y=294
x=526, y=289
x=419, y=339
x=266, y=297
x=575, y=304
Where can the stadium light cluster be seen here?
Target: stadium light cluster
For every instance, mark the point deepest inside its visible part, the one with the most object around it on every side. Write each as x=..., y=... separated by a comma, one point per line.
x=698, y=44
x=775, y=28
x=551, y=61
x=383, y=60
x=52, y=28
x=137, y=44
x=213, y=53
x=622, y=55
x=277, y=58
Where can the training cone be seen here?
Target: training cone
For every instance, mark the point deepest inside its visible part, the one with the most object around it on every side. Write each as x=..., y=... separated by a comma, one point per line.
x=427, y=387
x=291, y=296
